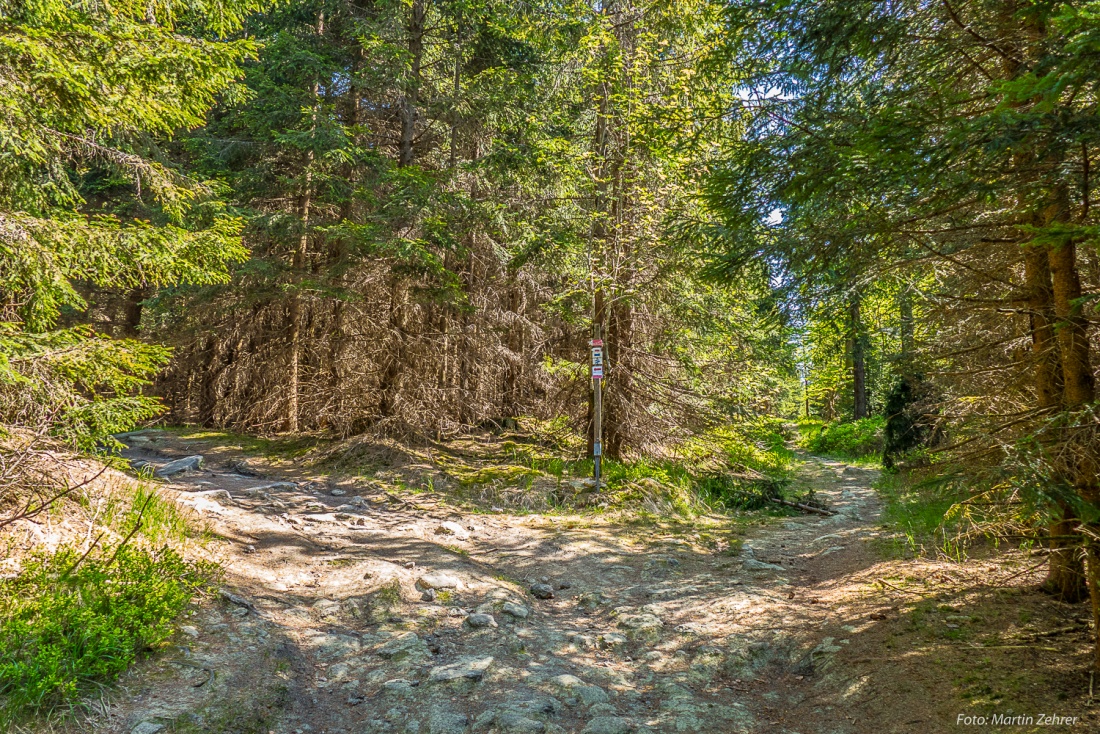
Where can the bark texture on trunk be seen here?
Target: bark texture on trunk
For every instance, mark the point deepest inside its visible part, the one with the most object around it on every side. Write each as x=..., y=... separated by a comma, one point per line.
x=412, y=87
x=859, y=360
x=1078, y=391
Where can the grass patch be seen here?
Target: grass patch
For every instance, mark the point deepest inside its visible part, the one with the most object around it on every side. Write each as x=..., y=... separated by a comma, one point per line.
x=278, y=447
x=853, y=440
x=162, y=521
x=919, y=512
x=68, y=624
x=738, y=466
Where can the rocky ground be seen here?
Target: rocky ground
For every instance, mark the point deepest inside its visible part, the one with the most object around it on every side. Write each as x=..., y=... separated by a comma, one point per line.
x=350, y=608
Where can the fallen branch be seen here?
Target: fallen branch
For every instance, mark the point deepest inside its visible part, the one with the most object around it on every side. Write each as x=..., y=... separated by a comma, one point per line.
x=509, y=550
x=1060, y=631
x=238, y=600
x=896, y=588
x=1036, y=567
x=29, y=511
x=804, y=507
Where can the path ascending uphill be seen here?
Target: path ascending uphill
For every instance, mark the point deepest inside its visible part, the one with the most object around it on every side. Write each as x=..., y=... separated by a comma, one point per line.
x=329, y=627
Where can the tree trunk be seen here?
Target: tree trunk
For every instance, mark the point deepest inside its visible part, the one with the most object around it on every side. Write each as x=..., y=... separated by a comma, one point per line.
x=1073, y=340
x=905, y=319
x=298, y=263
x=859, y=360
x=1066, y=572
x=411, y=97
x=1078, y=391
x=619, y=345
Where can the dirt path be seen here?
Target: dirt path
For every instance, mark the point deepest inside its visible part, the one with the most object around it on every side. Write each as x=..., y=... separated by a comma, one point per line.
x=329, y=630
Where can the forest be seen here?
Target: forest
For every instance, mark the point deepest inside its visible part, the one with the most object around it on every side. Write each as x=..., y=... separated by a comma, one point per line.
x=843, y=265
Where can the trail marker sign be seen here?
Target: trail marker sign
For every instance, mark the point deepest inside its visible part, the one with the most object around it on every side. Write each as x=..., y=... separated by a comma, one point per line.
x=597, y=359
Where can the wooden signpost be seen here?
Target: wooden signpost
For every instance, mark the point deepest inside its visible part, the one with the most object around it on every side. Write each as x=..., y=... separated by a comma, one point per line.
x=597, y=365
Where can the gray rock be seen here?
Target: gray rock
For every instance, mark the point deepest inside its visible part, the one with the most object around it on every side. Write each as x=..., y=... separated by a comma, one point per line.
x=515, y=610
x=516, y=723
x=402, y=646
x=565, y=680
x=612, y=639
x=542, y=591
x=427, y=595
x=446, y=722
x=338, y=672
x=439, y=580
x=398, y=685
x=519, y=717
x=329, y=646
x=274, y=486
x=479, y=621
x=147, y=727
x=179, y=466
x=643, y=626
x=139, y=432
x=590, y=695
x=609, y=725
x=471, y=668
x=751, y=564
x=453, y=528
x=338, y=492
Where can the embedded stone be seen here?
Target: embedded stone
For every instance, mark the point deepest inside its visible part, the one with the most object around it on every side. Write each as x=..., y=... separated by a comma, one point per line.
x=179, y=466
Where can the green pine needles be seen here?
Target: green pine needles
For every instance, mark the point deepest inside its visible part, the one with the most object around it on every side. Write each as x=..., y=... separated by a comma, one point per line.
x=82, y=88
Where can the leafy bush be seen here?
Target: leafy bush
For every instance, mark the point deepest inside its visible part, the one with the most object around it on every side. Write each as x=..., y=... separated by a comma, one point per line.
x=67, y=623
x=853, y=440
x=739, y=493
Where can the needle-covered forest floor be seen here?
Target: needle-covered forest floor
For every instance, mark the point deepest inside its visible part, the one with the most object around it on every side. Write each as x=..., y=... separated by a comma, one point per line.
x=584, y=621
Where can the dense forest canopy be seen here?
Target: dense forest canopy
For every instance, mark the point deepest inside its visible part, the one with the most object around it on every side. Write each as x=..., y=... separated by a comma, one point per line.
x=408, y=217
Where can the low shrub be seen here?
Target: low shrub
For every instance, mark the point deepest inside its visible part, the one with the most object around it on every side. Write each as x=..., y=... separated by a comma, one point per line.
x=852, y=440
x=68, y=622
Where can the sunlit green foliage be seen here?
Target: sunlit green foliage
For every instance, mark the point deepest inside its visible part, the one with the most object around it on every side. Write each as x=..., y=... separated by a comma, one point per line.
x=82, y=86
x=68, y=622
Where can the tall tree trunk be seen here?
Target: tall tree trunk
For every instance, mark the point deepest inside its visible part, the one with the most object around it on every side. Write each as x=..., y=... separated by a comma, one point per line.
x=600, y=231
x=1066, y=572
x=294, y=316
x=411, y=97
x=906, y=322
x=133, y=306
x=1079, y=390
x=1073, y=339
x=858, y=347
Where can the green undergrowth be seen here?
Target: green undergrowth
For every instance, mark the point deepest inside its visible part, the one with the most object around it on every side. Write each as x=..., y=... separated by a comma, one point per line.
x=269, y=447
x=73, y=619
x=859, y=441
x=70, y=623
x=921, y=515
x=735, y=467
